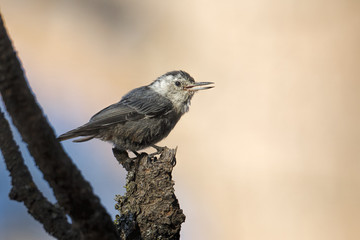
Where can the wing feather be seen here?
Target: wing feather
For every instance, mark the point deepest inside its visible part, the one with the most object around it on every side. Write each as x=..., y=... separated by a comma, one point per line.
x=138, y=104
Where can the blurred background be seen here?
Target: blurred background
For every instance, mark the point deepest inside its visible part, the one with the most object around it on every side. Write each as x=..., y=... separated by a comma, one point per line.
x=272, y=152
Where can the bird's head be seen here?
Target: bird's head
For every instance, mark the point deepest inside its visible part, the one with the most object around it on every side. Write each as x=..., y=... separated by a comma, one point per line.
x=179, y=87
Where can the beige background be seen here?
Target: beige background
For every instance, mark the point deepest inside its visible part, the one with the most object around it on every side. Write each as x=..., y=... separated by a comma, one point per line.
x=272, y=152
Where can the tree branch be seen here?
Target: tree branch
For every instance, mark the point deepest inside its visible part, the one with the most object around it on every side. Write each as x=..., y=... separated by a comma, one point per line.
x=71, y=190
x=149, y=209
x=24, y=189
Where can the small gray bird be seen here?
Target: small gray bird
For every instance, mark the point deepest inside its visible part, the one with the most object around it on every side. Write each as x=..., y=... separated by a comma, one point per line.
x=144, y=116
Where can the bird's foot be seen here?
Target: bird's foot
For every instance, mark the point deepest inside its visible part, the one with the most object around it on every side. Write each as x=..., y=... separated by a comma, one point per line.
x=136, y=154
x=124, y=159
x=159, y=150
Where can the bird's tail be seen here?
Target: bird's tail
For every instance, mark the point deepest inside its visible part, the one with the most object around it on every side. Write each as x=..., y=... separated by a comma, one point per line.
x=84, y=132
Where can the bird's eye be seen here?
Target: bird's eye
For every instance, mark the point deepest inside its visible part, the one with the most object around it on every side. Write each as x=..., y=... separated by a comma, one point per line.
x=177, y=83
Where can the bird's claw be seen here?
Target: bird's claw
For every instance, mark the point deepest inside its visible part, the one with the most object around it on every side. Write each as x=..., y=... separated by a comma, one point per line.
x=136, y=153
x=159, y=150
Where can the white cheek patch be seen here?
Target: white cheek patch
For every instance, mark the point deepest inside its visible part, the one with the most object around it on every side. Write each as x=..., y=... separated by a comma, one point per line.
x=160, y=87
x=179, y=103
x=176, y=100
x=164, y=87
x=169, y=78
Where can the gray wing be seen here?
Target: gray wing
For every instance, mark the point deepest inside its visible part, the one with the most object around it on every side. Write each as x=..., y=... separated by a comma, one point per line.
x=140, y=103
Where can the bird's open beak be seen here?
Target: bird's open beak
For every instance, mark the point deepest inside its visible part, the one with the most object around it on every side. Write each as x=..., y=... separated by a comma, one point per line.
x=198, y=86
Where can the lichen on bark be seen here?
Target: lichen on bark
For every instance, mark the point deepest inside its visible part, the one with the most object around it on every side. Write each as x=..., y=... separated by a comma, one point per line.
x=149, y=209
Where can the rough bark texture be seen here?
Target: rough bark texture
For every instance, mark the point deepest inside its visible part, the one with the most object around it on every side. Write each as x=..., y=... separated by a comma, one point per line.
x=73, y=193
x=149, y=209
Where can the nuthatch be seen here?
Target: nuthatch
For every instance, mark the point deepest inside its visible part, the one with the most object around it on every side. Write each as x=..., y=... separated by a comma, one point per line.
x=144, y=116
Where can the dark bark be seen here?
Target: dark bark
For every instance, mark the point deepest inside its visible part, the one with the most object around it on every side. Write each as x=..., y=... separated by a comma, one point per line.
x=24, y=189
x=149, y=209
x=73, y=193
